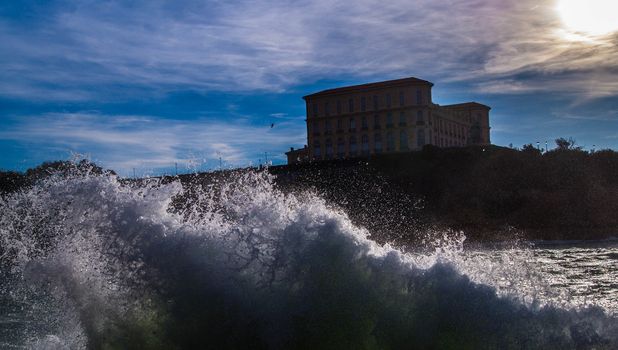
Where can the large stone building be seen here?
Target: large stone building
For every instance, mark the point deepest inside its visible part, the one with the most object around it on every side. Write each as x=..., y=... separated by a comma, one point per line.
x=385, y=117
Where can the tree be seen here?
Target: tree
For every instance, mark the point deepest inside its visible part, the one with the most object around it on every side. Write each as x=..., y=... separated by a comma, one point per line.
x=530, y=149
x=565, y=145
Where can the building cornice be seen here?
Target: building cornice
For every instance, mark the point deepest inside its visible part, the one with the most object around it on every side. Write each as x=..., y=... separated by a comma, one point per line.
x=370, y=87
x=466, y=105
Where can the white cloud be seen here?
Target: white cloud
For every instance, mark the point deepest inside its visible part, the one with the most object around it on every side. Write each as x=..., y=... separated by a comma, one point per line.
x=125, y=142
x=96, y=48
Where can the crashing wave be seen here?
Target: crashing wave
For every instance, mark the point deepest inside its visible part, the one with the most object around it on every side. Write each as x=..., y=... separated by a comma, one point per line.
x=95, y=262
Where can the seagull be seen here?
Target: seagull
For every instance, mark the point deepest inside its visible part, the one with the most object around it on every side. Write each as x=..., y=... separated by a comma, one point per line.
x=272, y=125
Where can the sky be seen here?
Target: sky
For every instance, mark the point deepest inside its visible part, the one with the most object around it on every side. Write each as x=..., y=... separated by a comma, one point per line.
x=147, y=85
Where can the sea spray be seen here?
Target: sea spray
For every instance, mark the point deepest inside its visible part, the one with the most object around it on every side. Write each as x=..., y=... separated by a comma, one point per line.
x=100, y=263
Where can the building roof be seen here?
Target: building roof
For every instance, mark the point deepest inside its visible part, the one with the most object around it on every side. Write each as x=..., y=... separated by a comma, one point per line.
x=293, y=151
x=467, y=105
x=370, y=86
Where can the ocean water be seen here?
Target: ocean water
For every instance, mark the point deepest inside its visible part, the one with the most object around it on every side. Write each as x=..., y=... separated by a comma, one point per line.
x=91, y=262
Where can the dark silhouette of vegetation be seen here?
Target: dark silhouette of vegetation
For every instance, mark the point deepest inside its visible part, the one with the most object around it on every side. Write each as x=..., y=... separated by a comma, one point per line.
x=488, y=192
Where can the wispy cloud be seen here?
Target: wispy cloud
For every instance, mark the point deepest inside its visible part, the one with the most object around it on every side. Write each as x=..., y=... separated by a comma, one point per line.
x=85, y=50
x=126, y=142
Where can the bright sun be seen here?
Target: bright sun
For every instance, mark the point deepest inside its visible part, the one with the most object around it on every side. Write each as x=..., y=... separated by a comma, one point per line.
x=592, y=17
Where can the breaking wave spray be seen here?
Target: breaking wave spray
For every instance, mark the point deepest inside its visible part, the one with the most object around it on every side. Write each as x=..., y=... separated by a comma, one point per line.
x=90, y=261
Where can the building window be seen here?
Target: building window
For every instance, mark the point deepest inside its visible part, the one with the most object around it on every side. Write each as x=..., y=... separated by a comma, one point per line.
x=327, y=128
x=350, y=105
x=403, y=140
x=353, y=146
x=375, y=103
x=315, y=109
x=317, y=152
x=340, y=148
x=363, y=104
x=316, y=127
x=364, y=125
x=376, y=121
x=339, y=125
x=402, y=119
x=338, y=107
x=329, y=149
x=326, y=109
x=365, y=145
x=377, y=143
x=390, y=142
x=388, y=100
x=389, y=120
x=419, y=116
x=401, y=98
x=352, y=124
x=419, y=97
x=420, y=139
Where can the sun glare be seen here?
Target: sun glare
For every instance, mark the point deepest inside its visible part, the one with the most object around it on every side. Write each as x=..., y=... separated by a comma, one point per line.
x=591, y=17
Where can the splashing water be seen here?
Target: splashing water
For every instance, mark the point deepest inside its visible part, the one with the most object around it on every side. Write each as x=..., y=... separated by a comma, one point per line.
x=91, y=262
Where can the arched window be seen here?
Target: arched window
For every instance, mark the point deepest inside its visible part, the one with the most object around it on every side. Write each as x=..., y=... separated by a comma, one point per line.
x=420, y=139
x=390, y=142
x=340, y=148
x=353, y=149
x=365, y=145
x=329, y=149
x=403, y=140
x=377, y=143
x=317, y=151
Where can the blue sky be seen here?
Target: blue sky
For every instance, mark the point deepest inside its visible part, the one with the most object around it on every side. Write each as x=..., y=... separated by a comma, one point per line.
x=148, y=84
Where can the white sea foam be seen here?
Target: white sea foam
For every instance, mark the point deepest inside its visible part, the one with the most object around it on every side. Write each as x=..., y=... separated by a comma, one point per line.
x=237, y=263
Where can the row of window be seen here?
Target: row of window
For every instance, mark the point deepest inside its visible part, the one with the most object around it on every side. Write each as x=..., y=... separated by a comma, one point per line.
x=351, y=125
x=451, y=129
x=446, y=142
x=351, y=147
x=364, y=101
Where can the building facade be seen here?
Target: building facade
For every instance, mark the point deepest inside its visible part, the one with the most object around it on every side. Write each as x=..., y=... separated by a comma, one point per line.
x=388, y=117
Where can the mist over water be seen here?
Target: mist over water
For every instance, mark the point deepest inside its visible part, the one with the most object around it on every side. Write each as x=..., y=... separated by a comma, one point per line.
x=89, y=261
